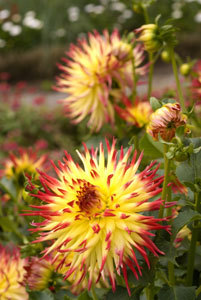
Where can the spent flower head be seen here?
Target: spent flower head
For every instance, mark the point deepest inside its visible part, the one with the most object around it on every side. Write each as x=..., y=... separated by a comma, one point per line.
x=96, y=213
x=165, y=121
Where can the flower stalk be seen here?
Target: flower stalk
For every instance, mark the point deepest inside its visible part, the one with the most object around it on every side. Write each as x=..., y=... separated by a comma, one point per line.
x=165, y=182
x=175, y=70
x=191, y=253
x=150, y=80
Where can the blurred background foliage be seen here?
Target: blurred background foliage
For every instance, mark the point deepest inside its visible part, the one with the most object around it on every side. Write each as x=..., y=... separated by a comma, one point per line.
x=34, y=34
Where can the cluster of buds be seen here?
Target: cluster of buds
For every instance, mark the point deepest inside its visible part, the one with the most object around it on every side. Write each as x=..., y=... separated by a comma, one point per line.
x=149, y=35
x=155, y=37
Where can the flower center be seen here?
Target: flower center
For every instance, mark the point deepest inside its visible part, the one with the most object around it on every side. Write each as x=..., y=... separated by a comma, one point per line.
x=88, y=198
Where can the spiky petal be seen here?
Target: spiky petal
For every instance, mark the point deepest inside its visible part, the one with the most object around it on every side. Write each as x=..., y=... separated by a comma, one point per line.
x=12, y=274
x=97, y=71
x=96, y=213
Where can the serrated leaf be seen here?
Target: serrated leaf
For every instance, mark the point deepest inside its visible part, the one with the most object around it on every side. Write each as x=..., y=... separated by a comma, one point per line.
x=183, y=219
x=151, y=147
x=177, y=293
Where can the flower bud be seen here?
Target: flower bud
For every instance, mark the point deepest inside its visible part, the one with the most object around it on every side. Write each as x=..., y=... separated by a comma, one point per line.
x=149, y=36
x=185, y=69
x=165, y=56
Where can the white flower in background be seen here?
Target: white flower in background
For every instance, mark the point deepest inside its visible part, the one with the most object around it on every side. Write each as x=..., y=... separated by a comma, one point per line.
x=89, y=8
x=31, y=14
x=99, y=9
x=104, y=2
x=127, y=14
x=119, y=6
x=16, y=18
x=7, y=26
x=4, y=14
x=2, y=43
x=198, y=17
x=31, y=22
x=73, y=13
x=177, y=14
x=15, y=30
x=60, y=32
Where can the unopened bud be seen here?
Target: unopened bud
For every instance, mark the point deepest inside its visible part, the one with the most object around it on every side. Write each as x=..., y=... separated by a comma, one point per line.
x=165, y=56
x=185, y=69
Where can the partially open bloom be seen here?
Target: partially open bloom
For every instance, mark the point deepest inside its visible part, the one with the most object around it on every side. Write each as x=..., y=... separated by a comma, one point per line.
x=165, y=120
x=196, y=81
x=137, y=114
x=99, y=71
x=39, y=273
x=12, y=274
x=26, y=162
x=96, y=213
x=185, y=232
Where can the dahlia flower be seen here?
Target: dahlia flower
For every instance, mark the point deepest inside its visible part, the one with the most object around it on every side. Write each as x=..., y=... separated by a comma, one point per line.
x=39, y=273
x=12, y=274
x=26, y=162
x=137, y=114
x=98, y=71
x=149, y=35
x=196, y=81
x=95, y=212
x=165, y=120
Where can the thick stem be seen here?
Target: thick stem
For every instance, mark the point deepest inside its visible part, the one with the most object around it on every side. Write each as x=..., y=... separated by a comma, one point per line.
x=151, y=70
x=150, y=292
x=191, y=253
x=165, y=181
x=179, y=90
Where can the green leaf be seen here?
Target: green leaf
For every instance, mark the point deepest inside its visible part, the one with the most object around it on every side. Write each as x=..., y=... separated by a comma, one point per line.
x=184, y=218
x=190, y=170
x=43, y=295
x=150, y=147
x=155, y=103
x=168, y=249
x=177, y=293
x=84, y=296
x=8, y=187
x=120, y=294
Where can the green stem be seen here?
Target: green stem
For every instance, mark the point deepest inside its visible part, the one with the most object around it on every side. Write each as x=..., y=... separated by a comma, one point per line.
x=191, y=253
x=151, y=69
x=179, y=90
x=150, y=293
x=134, y=92
x=165, y=181
x=94, y=296
x=171, y=272
x=145, y=13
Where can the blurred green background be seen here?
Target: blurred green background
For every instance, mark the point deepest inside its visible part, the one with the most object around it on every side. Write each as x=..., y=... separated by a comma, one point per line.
x=34, y=34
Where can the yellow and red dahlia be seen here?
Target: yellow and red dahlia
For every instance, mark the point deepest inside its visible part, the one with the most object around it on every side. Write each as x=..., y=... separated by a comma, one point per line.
x=39, y=273
x=95, y=212
x=25, y=162
x=12, y=274
x=97, y=71
x=165, y=120
x=137, y=114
